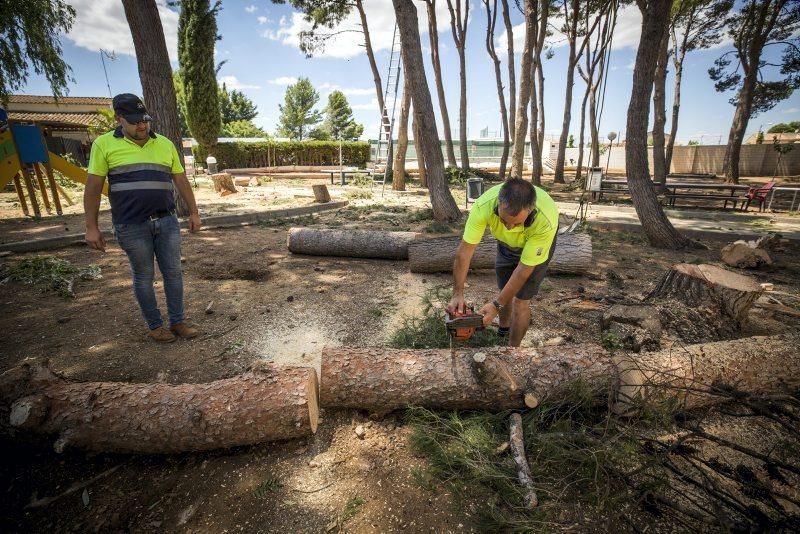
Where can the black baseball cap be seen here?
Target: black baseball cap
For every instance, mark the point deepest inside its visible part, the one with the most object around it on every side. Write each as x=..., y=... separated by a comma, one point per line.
x=131, y=107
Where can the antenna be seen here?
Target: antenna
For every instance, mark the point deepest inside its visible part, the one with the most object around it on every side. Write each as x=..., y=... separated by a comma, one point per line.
x=112, y=56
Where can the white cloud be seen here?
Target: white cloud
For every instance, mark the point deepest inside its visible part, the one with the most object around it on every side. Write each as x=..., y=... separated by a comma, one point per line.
x=348, y=41
x=232, y=82
x=263, y=20
x=284, y=80
x=328, y=87
x=791, y=110
x=251, y=8
x=102, y=24
x=371, y=106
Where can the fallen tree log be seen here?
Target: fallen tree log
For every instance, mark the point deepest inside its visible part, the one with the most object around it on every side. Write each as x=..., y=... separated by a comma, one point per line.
x=573, y=254
x=382, y=380
x=427, y=255
x=350, y=243
x=271, y=403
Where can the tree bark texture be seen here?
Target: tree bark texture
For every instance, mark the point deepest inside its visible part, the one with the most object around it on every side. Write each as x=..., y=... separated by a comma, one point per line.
x=399, y=167
x=442, y=201
x=516, y=443
x=538, y=87
x=321, y=193
x=423, y=173
x=491, y=20
x=512, y=77
x=679, y=53
x=655, y=223
x=433, y=34
x=571, y=22
x=382, y=380
x=521, y=115
x=573, y=254
x=704, y=285
x=272, y=403
x=459, y=20
x=350, y=243
x=533, y=136
x=223, y=183
x=155, y=74
x=660, y=169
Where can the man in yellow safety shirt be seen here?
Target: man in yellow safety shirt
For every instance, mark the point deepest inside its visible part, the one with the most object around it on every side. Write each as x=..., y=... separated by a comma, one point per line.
x=524, y=220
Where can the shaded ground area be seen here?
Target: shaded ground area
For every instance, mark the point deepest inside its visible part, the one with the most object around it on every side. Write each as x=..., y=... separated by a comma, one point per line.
x=269, y=304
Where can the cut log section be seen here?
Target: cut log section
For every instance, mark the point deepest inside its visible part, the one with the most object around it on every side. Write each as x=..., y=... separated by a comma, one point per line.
x=517, y=444
x=321, y=193
x=223, y=183
x=382, y=380
x=350, y=243
x=573, y=254
x=708, y=285
x=268, y=404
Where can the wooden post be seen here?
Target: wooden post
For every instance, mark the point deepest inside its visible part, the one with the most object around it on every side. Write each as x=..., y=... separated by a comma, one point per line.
x=53, y=189
x=65, y=195
x=42, y=187
x=26, y=175
x=21, y=195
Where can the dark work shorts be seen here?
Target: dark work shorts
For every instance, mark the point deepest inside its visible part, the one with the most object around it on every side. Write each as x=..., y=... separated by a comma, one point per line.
x=507, y=260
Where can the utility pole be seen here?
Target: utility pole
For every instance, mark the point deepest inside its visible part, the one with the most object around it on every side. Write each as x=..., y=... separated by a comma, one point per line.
x=112, y=57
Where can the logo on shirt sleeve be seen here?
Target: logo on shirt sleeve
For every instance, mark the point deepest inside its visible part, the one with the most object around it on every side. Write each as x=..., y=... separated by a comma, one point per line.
x=539, y=251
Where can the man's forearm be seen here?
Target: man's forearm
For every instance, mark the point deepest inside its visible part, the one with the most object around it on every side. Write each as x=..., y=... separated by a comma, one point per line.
x=185, y=190
x=91, y=204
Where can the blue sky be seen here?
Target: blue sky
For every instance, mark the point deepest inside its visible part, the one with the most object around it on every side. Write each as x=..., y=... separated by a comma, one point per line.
x=259, y=44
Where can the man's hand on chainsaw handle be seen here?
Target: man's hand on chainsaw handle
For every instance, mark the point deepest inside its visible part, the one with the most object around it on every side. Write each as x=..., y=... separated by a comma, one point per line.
x=460, y=268
x=489, y=312
x=457, y=305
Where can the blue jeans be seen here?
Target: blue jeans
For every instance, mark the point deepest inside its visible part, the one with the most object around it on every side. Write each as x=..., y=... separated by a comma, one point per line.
x=160, y=238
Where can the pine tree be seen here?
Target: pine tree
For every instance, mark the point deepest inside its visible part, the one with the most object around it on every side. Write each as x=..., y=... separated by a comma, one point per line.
x=339, y=121
x=180, y=95
x=197, y=33
x=297, y=113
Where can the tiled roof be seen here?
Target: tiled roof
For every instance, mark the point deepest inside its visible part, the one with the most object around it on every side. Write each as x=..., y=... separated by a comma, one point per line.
x=36, y=99
x=69, y=119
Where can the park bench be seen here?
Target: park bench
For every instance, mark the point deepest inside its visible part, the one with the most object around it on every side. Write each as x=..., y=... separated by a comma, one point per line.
x=696, y=191
x=758, y=194
x=344, y=174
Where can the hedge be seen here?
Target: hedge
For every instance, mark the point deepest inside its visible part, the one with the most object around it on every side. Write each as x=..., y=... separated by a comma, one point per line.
x=240, y=155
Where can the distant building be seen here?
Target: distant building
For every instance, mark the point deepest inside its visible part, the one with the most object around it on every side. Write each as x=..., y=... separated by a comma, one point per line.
x=770, y=138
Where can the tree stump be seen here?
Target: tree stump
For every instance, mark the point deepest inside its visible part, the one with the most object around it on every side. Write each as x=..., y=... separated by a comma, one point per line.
x=709, y=286
x=223, y=183
x=573, y=254
x=321, y=193
x=271, y=403
x=350, y=243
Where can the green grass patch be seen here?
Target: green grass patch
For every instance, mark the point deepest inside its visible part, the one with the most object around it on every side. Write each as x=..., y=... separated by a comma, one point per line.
x=351, y=508
x=49, y=274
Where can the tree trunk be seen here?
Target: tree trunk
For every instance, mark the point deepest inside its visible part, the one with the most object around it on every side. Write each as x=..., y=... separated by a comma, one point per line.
x=540, y=88
x=655, y=224
x=223, y=183
x=581, y=144
x=459, y=27
x=512, y=77
x=376, y=75
x=321, y=193
x=544, y=13
x=660, y=169
x=491, y=18
x=593, y=126
x=382, y=380
x=562, y=140
x=517, y=445
x=741, y=117
x=709, y=286
x=573, y=254
x=399, y=168
x=442, y=202
x=533, y=136
x=270, y=404
x=676, y=105
x=521, y=116
x=433, y=33
x=350, y=243
x=423, y=173
x=155, y=74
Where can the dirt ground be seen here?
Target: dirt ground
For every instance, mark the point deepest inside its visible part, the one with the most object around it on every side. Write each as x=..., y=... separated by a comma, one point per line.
x=271, y=305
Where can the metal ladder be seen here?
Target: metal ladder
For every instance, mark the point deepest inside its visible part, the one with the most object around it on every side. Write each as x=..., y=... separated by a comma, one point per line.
x=384, y=150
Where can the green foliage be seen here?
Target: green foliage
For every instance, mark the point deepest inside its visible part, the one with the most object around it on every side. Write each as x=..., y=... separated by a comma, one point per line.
x=242, y=128
x=235, y=106
x=426, y=330
x=197, y=33
x=49, y=273
x=297, y=113
x=104, y=122
x=239, y=155
x=180, y=95
x=322, y=15
x=785, y=127
x=456, y=175
x=571, y=142
x=270, y=485
x=351, y=508
x=760, y=138
x=29, y=41
x=339, y=122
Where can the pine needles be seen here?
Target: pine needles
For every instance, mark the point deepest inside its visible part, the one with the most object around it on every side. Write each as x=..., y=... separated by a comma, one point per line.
x=49, y=273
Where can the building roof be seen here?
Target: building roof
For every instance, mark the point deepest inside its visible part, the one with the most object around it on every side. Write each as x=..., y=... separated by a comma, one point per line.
x=57, y=120
x=36, y=99
x=790, y=137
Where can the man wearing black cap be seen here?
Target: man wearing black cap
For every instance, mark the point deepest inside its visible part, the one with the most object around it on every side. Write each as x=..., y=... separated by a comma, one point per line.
x=142, y=168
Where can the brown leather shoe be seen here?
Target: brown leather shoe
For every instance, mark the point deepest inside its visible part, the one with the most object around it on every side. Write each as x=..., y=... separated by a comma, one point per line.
x=162, y=335
x=184, y=330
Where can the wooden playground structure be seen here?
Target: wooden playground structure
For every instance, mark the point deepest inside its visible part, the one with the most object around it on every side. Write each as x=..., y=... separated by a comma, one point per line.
x=25, y=160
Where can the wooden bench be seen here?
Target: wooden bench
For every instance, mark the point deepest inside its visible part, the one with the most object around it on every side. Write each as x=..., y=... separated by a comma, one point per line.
x=345, y=174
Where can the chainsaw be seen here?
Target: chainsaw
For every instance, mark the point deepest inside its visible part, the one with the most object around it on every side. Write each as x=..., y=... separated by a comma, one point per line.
x=461, y=326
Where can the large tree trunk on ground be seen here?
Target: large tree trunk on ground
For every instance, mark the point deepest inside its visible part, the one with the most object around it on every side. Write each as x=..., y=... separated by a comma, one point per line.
x=399, y=168
x=655, y=223
x=660, y=169
x=350, y=243
x=155, y=74
x=433, y=33
x=573, y=254
x=708, y=285
x=272, y=403
x=382, y=380
x=442, y=201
